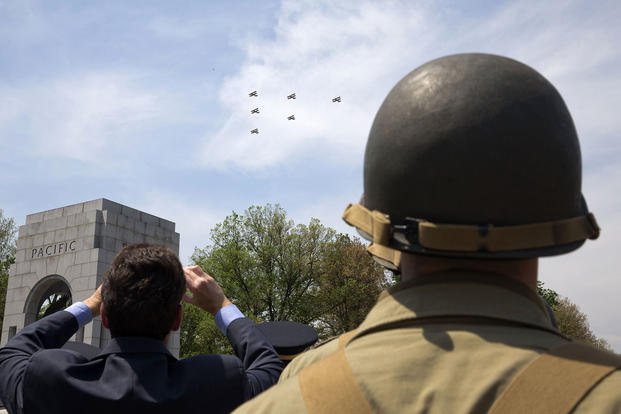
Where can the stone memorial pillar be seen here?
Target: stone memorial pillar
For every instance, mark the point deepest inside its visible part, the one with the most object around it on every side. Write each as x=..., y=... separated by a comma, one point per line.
x=62, y=255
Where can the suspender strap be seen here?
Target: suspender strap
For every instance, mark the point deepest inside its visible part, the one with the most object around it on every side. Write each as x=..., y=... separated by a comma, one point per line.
x=329, y=386
x=556, y=381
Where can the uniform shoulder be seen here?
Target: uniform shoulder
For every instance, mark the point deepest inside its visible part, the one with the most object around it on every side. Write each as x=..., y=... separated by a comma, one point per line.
x=284, y=394
x=309, y=357
x=604, y=398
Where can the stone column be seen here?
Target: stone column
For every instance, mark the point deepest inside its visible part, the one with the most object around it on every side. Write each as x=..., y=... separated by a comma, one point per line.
x=74, y=245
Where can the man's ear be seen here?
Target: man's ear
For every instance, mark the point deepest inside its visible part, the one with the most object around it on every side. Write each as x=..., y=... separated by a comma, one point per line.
x=178, y=318
x=104, y=316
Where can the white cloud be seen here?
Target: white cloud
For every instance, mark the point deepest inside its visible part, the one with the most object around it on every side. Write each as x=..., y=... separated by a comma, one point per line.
x=319, y=52
x=78, y=118
x=113, y=121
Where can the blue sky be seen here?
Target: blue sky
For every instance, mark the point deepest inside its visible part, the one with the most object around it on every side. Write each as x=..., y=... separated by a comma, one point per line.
x=146, y=103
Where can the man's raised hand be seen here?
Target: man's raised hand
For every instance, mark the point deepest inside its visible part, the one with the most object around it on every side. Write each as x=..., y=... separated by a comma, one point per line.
x=94, y=302
x=205, y=291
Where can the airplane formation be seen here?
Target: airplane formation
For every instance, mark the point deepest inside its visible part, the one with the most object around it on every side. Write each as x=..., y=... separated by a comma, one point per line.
x=291, y=117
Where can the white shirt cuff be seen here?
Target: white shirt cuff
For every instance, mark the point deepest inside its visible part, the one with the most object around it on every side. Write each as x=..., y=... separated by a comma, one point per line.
x=81, y=312
x=226, y=315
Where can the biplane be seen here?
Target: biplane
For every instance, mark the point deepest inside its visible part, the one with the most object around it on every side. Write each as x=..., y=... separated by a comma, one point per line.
x=254, y=131
x=253, y=93
x=255, y=111
x=337, y=99
x=291, y=117
x=292, y=96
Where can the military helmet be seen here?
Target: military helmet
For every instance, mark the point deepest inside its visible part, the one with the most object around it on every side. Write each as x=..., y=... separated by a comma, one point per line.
x=473, y=155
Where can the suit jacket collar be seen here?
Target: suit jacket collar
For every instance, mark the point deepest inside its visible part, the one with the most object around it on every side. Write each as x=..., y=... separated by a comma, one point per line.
x=134, y=345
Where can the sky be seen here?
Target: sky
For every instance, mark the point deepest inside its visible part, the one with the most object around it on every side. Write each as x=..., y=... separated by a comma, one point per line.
x=146, y=104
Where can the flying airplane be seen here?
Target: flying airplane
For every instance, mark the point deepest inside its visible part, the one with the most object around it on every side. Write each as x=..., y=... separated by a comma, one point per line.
x=253, y=93
x=292, y=96
x=255, y=111
x=291, y=117
x=337, y=99
x=255, y=131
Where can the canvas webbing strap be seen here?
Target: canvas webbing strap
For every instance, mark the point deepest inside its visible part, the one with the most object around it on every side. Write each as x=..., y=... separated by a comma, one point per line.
x=329, y=386
x=556, y=381
x=473, y=238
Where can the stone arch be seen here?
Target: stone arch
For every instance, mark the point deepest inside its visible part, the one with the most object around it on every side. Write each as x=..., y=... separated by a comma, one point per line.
x=50, y=294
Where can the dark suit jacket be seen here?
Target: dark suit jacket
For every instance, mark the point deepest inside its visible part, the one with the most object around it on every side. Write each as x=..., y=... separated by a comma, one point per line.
x=132, y=374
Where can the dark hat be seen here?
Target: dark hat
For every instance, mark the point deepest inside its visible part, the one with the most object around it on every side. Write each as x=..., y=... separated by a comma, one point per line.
x=289, y=338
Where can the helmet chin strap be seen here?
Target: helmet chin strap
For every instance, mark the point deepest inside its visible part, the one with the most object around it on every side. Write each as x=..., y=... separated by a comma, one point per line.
x=388, y=239
x=375, y=227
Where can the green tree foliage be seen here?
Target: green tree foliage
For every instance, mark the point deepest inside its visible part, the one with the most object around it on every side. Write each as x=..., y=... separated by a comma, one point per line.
x=571, y=321
x=7, y=257
x=200, y=335
x=349, y=284
x=549, y=295
x=273, y=269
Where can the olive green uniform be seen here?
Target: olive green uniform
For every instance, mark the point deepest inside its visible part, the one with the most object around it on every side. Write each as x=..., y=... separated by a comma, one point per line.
x=470, y=336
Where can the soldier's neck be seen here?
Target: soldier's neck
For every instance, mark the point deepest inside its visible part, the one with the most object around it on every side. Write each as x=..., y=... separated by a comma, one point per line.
x=522, y=270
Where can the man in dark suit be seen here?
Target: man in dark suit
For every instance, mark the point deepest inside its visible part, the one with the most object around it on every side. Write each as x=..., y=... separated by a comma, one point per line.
x=139, y=301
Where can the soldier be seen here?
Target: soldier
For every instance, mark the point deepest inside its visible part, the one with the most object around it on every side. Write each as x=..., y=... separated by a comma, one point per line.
x=472, y=171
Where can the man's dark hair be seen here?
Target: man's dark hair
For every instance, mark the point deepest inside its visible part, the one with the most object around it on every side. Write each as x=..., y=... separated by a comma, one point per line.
x=142, y=290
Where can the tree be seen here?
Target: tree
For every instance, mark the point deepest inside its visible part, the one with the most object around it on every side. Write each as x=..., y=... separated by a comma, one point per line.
x=200, y=335
x=349, y=285
x=549, y=295
x=275, y=270
x=7, y=257
x=571, y=321
x=267, y=266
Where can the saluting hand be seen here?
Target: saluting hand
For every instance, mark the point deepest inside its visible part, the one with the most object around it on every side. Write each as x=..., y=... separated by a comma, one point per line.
x=206, y=293
x=94, y=302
